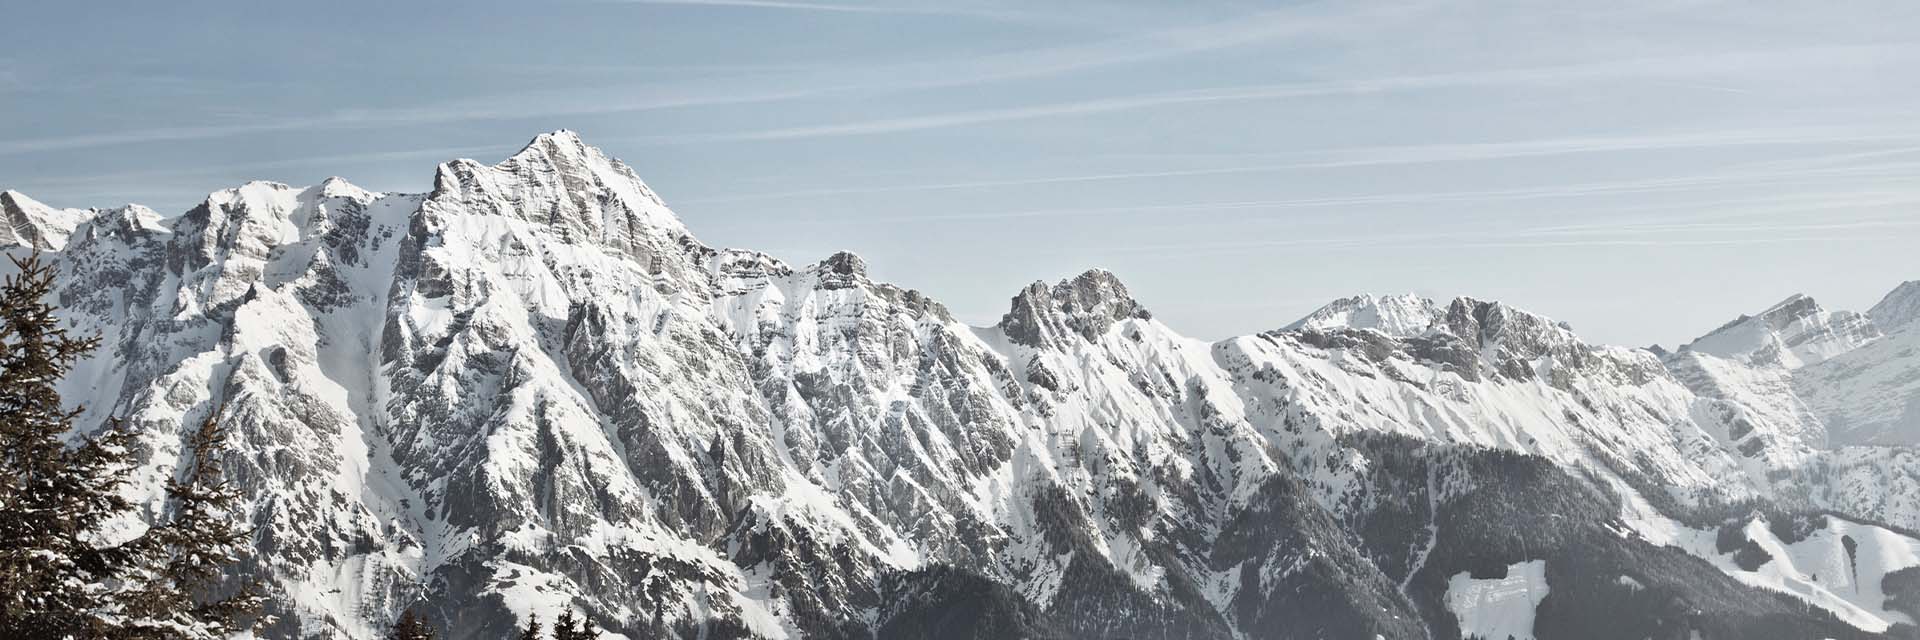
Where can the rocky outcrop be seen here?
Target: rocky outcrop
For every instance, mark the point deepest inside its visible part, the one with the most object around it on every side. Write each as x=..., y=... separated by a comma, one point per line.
x=1085, y=305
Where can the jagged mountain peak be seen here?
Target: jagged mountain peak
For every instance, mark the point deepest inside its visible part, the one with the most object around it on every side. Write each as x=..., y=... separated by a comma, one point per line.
x=31, y=223
x=841, y=270
x=845, y=263
x=1475, y=338
x=1410, y=315
x=570, y=194
x=1899, y=308
x=1795, y=306
x=1086, y=305
x=1098, y=287
x=559, y=180
x=1494, y=323
x=1792, y=333
x=734, y=262
x=558, y=147
x=1497, y=308
x=254, y=192
x=1401, y=315
x=559, y=137
x=252, y=217
x=123, y=222
x=15, y=198
x=338, y=187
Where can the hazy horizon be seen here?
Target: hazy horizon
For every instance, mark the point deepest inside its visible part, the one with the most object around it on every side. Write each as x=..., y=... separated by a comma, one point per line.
x=1645, y=173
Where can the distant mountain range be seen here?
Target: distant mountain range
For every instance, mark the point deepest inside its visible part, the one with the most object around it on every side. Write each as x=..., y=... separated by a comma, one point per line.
x=533, y=388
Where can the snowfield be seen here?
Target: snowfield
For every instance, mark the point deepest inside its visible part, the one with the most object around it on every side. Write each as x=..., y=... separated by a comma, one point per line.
x=1498, y=607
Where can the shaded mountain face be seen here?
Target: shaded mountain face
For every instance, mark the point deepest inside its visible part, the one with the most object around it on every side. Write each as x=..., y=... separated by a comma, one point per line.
x=533, y=388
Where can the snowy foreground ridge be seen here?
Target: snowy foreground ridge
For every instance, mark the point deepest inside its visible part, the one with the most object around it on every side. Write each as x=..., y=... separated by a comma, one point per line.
x=534, y=389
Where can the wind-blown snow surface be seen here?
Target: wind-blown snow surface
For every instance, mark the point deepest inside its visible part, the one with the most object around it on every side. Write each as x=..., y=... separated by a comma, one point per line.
x=533, y=388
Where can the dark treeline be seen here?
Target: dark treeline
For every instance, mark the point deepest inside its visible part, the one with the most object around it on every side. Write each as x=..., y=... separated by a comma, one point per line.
x=565, y=627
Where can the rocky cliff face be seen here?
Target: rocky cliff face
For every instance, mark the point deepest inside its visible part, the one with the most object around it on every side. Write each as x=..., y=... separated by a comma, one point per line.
x=534, y=388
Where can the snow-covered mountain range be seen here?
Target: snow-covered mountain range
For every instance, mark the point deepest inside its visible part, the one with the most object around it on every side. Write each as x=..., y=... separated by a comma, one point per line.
x=535, y=388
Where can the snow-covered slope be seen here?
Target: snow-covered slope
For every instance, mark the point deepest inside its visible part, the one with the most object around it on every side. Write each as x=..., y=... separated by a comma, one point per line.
x=1824, y=378
x=1792, y=334
x=34, y=225
x=534, y=388
x=1829, y=562
x=1499, y=607
x=1899, y=308
x=1870, y=395
x=1400, y=316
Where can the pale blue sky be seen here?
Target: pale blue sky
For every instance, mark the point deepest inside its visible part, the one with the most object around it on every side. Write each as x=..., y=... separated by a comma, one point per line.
x=1644, y=170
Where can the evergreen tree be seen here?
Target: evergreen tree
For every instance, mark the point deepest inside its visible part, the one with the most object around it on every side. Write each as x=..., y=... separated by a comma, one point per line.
x=532, y=630
x=563, y=626
x=586, y=631
x=54, y=498
x=60, y=575
x=410, y=627
x=183, y=556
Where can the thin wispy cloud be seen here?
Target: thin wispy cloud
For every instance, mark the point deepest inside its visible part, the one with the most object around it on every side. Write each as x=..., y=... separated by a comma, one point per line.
x=833, y=7
x=1874, y=215
x=1792, y=206
x=839, y=79
x=979, y=70
x=1412, y=154
x=1844, y=158
x=1494, y=239
x=1887, y=174
x=1384, y=244
x=1612, y=70
x=1328, y=20
x=440, y=154
x=449, y=113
